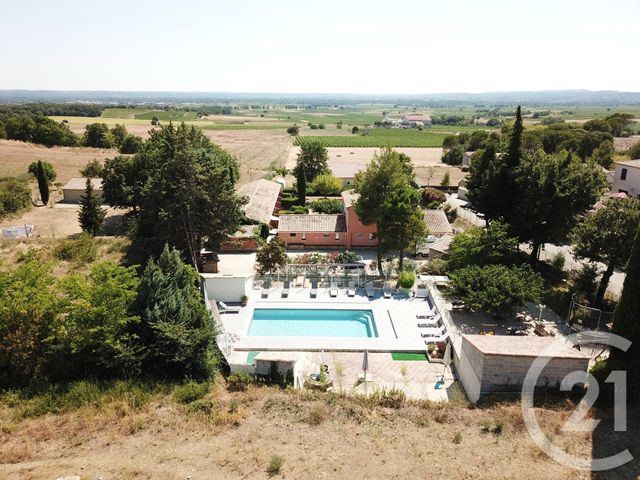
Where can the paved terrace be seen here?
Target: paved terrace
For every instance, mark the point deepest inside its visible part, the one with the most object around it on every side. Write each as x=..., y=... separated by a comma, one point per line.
x=395, y=319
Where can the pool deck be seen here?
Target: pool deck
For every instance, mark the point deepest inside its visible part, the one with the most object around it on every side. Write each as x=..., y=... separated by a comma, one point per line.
x=395, y=319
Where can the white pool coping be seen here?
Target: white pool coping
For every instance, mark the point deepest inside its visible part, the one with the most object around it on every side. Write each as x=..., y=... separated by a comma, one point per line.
x=395, y=320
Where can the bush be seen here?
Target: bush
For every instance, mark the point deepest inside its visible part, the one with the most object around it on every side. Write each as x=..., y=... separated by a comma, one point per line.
x=326, y=185
x=295, y=210
x=327, y=205
x=437, y=266
x=190, y=392
x=288, y=199
x=15, y=196
x=407, y=279
x=275, y=465
x=433, y=195
x=92, y=169
x=585, y=281
x=238, y=382
x=346, y=257
x=49, y=170
x=80, y=249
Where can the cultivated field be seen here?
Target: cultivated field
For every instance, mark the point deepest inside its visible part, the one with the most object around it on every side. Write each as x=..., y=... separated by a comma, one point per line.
x=234, y=435
x=15, y=158
x=378, y=137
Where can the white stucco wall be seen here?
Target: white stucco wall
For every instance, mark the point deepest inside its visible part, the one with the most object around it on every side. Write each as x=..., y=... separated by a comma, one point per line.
x=227, y=288
x=631, y=184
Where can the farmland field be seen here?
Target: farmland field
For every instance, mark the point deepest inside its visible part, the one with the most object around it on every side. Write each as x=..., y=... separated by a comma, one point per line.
x=379, y=137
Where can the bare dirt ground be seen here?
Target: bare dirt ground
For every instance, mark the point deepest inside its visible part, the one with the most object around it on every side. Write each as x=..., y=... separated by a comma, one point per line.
x=426, y=161
x=61, y=221
x=15, y=158
x=317, y=436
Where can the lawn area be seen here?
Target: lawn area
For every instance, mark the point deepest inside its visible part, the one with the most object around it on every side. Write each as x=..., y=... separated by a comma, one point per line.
x=408, y=357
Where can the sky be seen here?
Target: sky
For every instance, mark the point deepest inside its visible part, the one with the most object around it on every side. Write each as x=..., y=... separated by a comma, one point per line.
x=325, y=46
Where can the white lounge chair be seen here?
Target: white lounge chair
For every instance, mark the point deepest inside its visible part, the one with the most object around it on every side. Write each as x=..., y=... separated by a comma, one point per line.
x=333, y=291
x=314, y=289
x=431, y=340
x=265, y=288
x=351, y=290
x=371, y=292
x=433, y=332
x=429, y=322
x=224, y=308
x=386, y=290
x=285, y=288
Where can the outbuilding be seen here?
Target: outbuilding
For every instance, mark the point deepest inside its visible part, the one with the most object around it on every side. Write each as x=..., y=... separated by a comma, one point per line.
x=75, y=188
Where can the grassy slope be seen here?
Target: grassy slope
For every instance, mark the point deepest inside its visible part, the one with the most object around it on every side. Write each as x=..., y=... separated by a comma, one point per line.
x=160, y=431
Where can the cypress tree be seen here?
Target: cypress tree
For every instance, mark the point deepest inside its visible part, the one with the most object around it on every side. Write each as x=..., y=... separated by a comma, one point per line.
x=626, y=319
x=514, y=151
x=91, y=214
x=301, y=183
x=43, y=183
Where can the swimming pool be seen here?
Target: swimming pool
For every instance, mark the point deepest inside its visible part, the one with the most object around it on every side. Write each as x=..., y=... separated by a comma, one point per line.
x=299, y=322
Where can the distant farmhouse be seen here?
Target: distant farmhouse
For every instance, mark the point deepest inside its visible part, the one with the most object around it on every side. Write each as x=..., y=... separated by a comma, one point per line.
x=416, y=120
x=626, y=178
x=75, y=188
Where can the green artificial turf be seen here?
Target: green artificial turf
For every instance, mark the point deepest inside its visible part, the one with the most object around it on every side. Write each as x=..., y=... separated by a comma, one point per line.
x=409, y=356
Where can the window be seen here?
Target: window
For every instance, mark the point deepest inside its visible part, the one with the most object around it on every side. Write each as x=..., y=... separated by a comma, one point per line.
x=359, y=236
x=304, y=236
x=292, y=234
x=623, y=174
x=337, y=237
x=326, y=235
x=370, y=236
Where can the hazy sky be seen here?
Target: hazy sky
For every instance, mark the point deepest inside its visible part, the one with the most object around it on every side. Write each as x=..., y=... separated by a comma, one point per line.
x=369, y=46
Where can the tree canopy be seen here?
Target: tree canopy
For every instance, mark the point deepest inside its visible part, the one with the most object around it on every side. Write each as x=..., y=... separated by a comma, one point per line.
x=326, y=185
x=270, y=256
x=313, y=158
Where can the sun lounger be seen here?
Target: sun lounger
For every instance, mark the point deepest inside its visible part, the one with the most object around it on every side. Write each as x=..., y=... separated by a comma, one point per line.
x=431, y=340
x=224, y=308
x=314, y=289
x=433, y=332
x=265, y=289
x=386, y=290
x=371, y=293
x=285, y=288
x=421, y=316
x=351, y=291
x=333, y=291
x=429, y=323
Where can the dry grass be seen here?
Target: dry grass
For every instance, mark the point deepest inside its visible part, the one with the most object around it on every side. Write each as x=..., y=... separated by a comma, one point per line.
x=235, y=435
x=15, y=158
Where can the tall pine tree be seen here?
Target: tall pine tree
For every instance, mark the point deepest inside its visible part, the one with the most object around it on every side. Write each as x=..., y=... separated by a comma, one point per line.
x=301, y=184
x=43, y=183
x=91, y=214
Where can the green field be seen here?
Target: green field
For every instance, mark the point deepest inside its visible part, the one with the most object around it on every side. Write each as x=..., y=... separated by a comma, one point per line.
x=379, y=137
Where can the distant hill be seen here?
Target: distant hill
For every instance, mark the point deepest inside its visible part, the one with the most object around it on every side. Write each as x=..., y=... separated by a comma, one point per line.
x=529, y=98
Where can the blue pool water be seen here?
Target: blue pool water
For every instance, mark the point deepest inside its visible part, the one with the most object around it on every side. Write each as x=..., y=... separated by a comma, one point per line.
x=295, y=322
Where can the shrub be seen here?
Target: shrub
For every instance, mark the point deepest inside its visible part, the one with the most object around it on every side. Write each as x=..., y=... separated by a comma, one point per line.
x=322, y=126
x=80, y=249
x=190, y=392
x=409, y=265
x=457, y=438
x=432, y=195
x=238, y=382
x=295, y=210
x=49, y=170
x=327, y=205
x=346, y=257
x=92, y=169
x=326, y=185
x=407, y=279
x=203, y=407
x=293, y=130
x=275, y=465
x=15, y=196
x=437, y=266
x=585, y=281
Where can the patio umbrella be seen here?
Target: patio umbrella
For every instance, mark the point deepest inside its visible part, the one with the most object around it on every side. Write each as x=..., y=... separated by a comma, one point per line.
x=365, y=362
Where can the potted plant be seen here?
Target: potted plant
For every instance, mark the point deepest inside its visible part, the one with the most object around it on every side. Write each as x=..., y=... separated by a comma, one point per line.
x=435, y=352
x=244, y=300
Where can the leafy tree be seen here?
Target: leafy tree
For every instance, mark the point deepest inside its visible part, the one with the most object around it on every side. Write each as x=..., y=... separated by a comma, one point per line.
x=619, y=123
x=454, y=155
x=131, y=144
x=355, y=130
x=450, y=141
x=477, y=140
x=313, y=158
x=626, y=321
x=49, y=170
x=496, y=289
x=98, y=135
x=122, y=182
x=603, y=154
x=634, y=151
x=43, y=184
x=15, y=196
x=176, y=329
x=553, y=191
x=401, y=223
x=597, y=125
x=606, y=235
x=119, y=133
x=385, y=176
x=91, y=215
x=184, y=187
x=271, y=256
x=490, y=245
x=99, y=321
x=301, y=185
x=92, y=169
x=326, y=184
x=155, y=121
x=293, y=130
x=487, y=174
